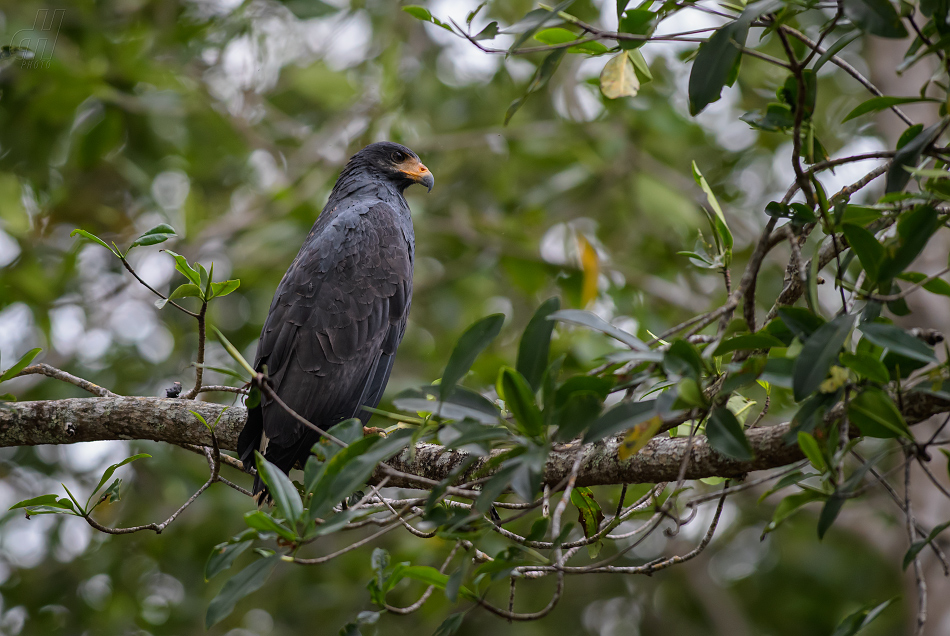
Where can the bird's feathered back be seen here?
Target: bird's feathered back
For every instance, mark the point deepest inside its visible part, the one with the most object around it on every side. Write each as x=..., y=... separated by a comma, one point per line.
x=338, y=314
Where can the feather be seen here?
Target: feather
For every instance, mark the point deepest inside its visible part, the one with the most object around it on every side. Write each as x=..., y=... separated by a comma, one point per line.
x=337, y=317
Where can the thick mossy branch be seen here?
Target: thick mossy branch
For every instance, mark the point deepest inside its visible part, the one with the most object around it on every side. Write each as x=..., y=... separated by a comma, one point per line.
x=170, y=420
x=91, y=419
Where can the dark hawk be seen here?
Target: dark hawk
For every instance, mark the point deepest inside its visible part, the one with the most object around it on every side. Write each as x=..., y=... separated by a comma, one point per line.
x=340, y=311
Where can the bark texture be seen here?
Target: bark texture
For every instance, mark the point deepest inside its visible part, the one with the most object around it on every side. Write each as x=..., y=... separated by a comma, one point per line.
x=172, y=421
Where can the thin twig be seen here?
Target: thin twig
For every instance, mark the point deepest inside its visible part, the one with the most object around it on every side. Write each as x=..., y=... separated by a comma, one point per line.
x=125, y=263
x=59, y=374
x=425, y=595
x=200, y=361
x=918, y=569
x=886, y=298
x=213, y=456
x=222, y=388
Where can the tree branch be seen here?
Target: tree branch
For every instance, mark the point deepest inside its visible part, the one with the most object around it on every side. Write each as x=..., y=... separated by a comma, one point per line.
x=170, y=420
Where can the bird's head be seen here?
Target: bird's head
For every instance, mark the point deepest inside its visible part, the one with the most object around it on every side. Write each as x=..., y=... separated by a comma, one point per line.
x=396, y=163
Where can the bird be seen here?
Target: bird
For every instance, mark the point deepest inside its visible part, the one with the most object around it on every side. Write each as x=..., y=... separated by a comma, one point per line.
x=340, y=311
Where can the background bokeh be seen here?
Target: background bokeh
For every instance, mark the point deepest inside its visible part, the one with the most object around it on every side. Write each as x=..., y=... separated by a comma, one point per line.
x=230, y=120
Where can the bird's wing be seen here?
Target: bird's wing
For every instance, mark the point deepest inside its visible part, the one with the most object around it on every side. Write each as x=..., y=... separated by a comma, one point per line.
x=336, y=320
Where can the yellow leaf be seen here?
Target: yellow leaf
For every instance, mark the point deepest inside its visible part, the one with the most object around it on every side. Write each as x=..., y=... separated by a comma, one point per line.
x=638, y=436
x=836, y=378
x=590, y=266
x=619, y=78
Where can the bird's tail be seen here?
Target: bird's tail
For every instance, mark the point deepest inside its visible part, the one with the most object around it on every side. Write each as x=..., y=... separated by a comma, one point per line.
x=253, y=439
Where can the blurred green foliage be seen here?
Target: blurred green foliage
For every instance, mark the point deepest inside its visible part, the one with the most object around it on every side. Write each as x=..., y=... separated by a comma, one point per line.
x=230, y=121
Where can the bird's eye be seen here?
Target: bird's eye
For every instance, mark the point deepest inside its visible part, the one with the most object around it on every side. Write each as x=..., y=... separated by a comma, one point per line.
x=399, y=156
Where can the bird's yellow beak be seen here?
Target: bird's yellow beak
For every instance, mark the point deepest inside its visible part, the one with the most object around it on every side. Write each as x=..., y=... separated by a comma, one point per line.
x=417, y=171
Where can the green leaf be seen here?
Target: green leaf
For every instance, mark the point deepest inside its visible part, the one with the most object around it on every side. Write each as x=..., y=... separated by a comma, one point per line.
x=835, y=48
x=307, y=9
x=829, y=512
x=619, y=78
x=640, y=66
x=186, y=270
x=541, y=76
x=219, y=290
x=44, y=504
x=860, y=215
x=520, y=400
x=534, y=20
x=471, y=433
x=857, y=621
x=936, y=286
x=898, y=341
x=95, y=239
x=811, y=284
x=579, y=410
x=905, y=138
x=791, y=504
x=424, y=574
x=917, y=546
x=746, y=342
x=450, y=625
x=812, y=450
x=725, y=434
x=223, y=555
x=462, y=403
x=819, y=353
x=379, y=560
x=263, y=522
x=868, y=249
x=248, y=580
x=636, y=22
x=158, y=234
x=620, y=418
x=234, y=353
x=536, y=343
x=682, y=358
x=588, y=510
x=20, y=364
x=421, y=13
x=350, y=467
x=800, y=321
x=930, y=173
x=281, y=489
x=110, y=494
x=109, y=472
x=914, y=230
x=593, y=321
x=877, y=416
x=600, y=386
x=876, y=104
x=877, y=17
x=786, y=481
x=223, y=371
x=722, y=228
x=489, y=32
x=469, y=345
x=867, y=365
x=558, y=35
x=909, y=154
x=715, y=62
x=206, y=277
x=188, y=290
